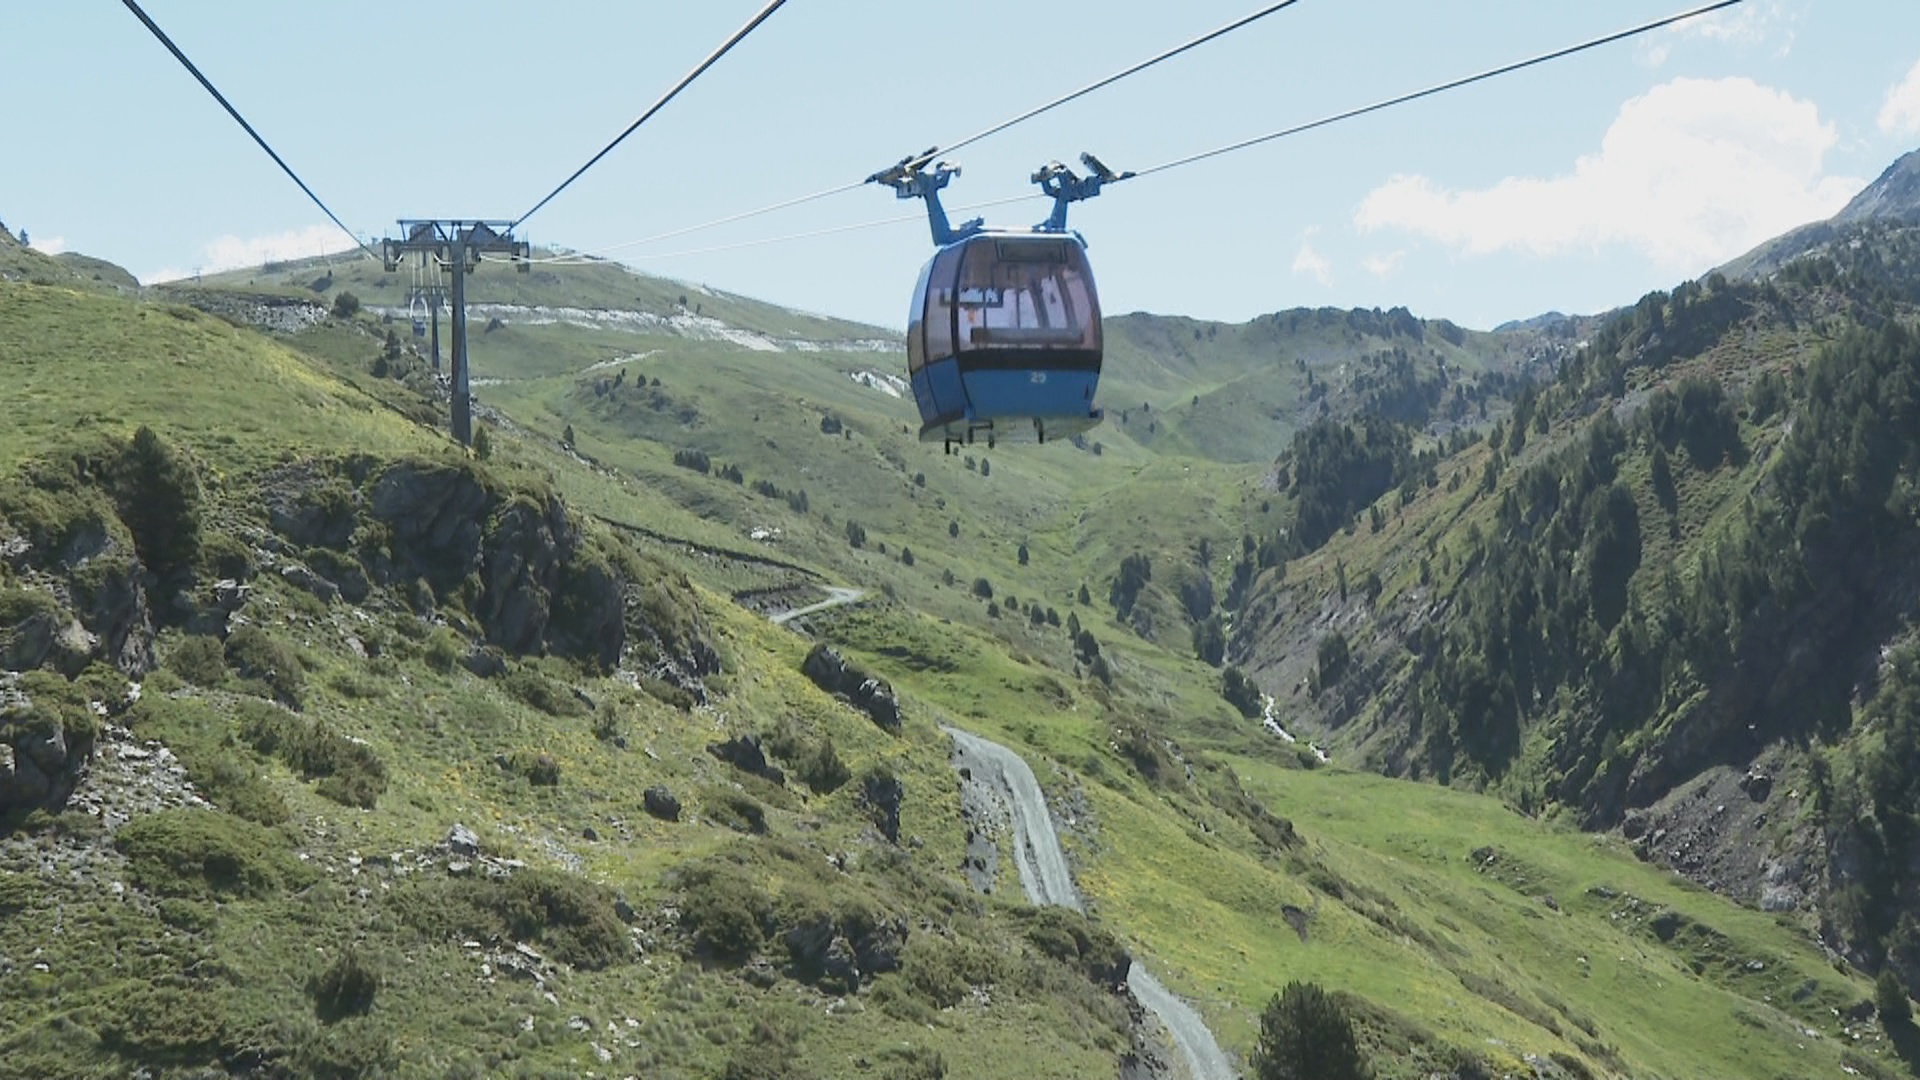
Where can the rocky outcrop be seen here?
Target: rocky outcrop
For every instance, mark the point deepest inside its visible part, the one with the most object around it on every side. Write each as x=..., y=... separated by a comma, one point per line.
x=743, y=752
x=839, y=954
x=661, y=803
x=881, y=796
x=44, y=746
x=831, y=672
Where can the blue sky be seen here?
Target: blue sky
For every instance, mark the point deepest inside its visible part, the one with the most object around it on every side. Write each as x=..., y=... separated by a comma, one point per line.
x=1576, y=186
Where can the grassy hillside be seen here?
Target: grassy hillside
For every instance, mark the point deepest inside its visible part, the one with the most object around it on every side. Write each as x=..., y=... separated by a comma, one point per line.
x=526, y=645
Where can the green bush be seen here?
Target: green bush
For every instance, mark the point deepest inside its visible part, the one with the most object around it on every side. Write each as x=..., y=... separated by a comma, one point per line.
x=1305, y=1034
x=19, y=605
x=158, y=493
x=536, y=690
x=570, y=919
x=205, y=854
x=346, y=988
x=257, y=655
x=1890, y=998
x=444, y=650
x=198, y=660
x=349, y=772
x=539, y=769
x=667, y=694
x=727, y=913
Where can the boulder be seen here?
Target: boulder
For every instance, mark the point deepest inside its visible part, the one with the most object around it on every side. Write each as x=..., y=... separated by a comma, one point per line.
x=743, y=752
x=661, y=803
x=877, y=948
x=463, y=841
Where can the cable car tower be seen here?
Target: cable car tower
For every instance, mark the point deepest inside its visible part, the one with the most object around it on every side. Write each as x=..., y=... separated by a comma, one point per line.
x=457, y=246
x=1003, y=338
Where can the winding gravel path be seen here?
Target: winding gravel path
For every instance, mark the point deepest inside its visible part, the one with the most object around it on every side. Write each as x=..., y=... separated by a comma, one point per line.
x=1046, y=880
x=836, y=597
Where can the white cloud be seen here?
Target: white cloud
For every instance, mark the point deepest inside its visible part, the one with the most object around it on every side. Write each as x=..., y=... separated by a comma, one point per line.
x=1900, y=114
x=1690, y=173
x=235, y=253
x=1311, y=262
x=1381, y=266
x=1748, y=26
x=49, y=245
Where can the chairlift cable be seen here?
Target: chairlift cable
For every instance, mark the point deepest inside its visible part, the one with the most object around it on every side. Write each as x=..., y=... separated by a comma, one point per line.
x=1431, y=90
x=712, y=58
x=975, y=137
x=242, y=121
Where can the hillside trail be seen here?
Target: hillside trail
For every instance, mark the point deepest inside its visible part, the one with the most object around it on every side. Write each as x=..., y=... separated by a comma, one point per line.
x=836, y=597
x=1045, y=878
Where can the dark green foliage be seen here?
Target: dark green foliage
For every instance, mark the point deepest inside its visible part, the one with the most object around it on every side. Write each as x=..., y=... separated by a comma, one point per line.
x=1305, y=1034
x=1147, y=752
x=349, y=772
x=482, y=443
x=345, y=305
x=1240, y=692
x=1332, y=658
x=1336, y=470
x=697, y=460
x=856, y=534
x=258, y=655
x=983, y=588
x=572, y=920
x=199, y=660
x=906, y=556
x=667, y=693
x=346, y=988
x=206, y=854
x=1210, y=641
x=725, y=910
x=1890, y=998
x=19, y=605
x=1700, y=416
x=1074, y=940
x=1023, y=554
x=158, y=493
x=533, y=688
x=1136, y=570
x=1663, y=489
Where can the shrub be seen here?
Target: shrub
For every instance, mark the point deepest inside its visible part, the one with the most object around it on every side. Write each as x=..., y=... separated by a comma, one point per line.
x=983, y=588
x=203, y=854
x=1890, y=997
x=571, y=919
x=198, y=660
x=159, y=499
x=350, y=773
x=539, y=769
x=346, y=988
x=345, y=305
x=535, y=689
x=821, y=768
x=1240, y=692
x=255, y=654
x=1305, y=1034
x=443, y=650
x=726, y=912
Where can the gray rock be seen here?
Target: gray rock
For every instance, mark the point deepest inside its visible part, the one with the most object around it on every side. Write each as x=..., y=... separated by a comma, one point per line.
x=881, y=796
x=830, y=672
x=661, y=804
x=300, y=577
x=463, y=841
x=743, y=752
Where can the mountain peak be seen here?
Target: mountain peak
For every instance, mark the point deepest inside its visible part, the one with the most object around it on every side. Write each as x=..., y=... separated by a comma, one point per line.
x=1895, y=195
